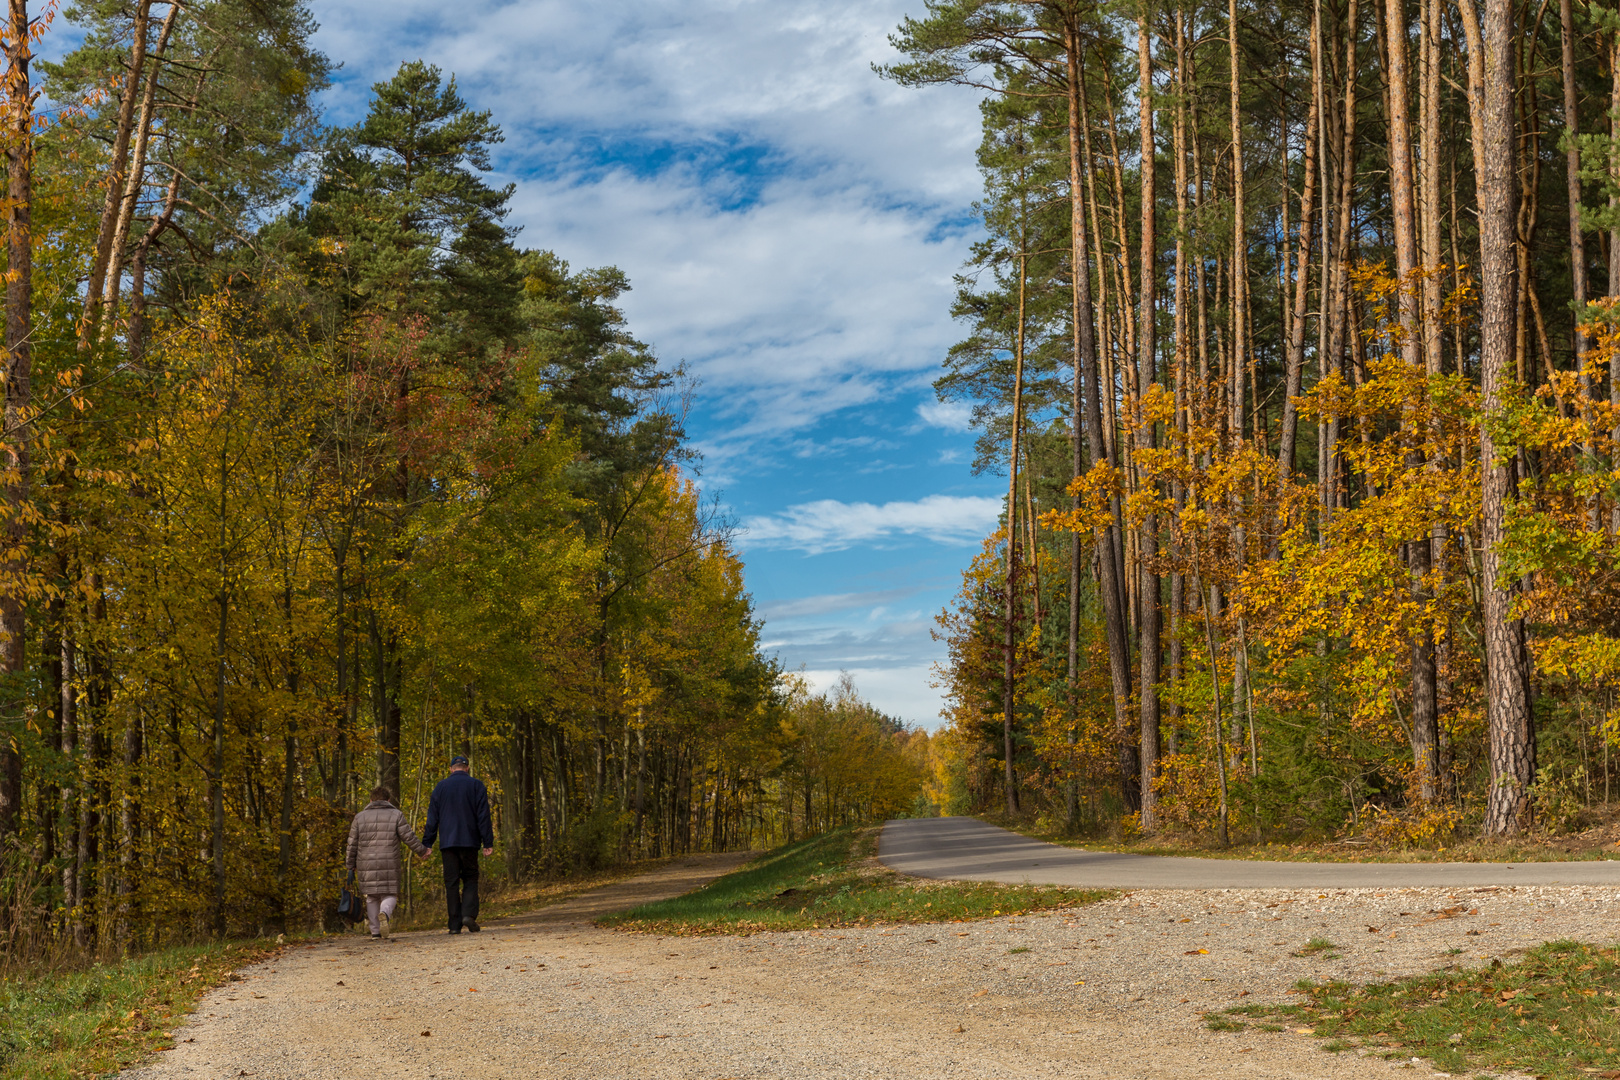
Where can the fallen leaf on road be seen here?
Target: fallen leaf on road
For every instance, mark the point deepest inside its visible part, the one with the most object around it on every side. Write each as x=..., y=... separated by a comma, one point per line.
x=427, y=1033
x=472, y=989
x=981, y=993
x=1196, y=952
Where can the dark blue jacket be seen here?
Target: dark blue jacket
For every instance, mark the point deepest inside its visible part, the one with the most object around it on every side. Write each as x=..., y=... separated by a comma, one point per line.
x=458, y=814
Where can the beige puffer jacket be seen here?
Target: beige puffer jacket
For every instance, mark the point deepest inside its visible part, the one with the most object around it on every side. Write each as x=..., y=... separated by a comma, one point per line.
x=374, y=840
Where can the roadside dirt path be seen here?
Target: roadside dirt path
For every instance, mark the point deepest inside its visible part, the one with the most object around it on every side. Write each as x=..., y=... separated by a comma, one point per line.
x=1109, y=991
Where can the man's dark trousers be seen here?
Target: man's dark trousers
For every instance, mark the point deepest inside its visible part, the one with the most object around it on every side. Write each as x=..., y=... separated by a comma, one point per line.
x=460, y=884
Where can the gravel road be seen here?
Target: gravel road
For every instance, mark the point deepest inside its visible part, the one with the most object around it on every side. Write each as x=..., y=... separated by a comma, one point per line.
x=1108, y=991
x=966, y=849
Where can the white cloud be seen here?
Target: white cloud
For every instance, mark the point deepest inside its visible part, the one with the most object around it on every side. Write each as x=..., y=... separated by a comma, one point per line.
x=901, y=692
x=949, y=415
x=803, y=304
x=829, y=603
x=796, y=78
x=830, y=525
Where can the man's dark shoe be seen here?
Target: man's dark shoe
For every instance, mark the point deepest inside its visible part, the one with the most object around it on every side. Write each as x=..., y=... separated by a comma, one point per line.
x=455, y=930
x=471, y=924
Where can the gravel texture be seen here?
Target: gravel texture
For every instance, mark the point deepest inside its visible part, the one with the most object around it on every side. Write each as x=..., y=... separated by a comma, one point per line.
x=1113, y=991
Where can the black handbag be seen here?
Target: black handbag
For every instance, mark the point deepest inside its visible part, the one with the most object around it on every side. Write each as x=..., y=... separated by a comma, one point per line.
x=347, y=901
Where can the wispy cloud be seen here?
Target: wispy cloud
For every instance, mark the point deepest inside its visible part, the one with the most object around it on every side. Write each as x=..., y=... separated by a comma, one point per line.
x=831, y=603
x=949, y=415
x=830, y=525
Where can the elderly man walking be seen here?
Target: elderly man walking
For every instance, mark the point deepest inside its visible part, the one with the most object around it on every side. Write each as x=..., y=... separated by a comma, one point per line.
x=458, y=817
x=373, y=855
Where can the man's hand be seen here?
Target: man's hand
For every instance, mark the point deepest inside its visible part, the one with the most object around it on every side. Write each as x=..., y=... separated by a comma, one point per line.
x=425, y=856
x=488, y=852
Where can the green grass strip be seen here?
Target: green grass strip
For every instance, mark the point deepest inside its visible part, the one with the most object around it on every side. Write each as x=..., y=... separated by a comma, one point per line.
x=832, y=880
x=66, y=1024
x=1554, y=1014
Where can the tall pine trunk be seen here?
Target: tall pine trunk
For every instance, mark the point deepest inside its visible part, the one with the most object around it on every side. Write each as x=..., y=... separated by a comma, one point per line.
x=1507, y=707
x=1085, y=348
x=1146, y=438
x=1295, y=357
x=17, y=362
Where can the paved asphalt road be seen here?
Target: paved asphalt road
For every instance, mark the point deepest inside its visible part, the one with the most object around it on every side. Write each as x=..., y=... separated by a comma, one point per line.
x=967, y=849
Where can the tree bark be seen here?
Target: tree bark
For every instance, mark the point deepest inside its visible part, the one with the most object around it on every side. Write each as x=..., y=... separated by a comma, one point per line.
x=1577, y=240
x=18, y=364
x=1307, y=207
x=1238, y=272
x=1146, y=436
x=1178, y=581
x=1402, y=212
x=1614, y=246
x=136, y=176
x=1010, y=646
x=112, y=203
x=1507, y=708
x=1085, y=349
x=1340, y=330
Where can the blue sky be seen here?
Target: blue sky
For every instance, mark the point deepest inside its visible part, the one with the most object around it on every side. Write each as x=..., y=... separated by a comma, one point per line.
x=790, y=224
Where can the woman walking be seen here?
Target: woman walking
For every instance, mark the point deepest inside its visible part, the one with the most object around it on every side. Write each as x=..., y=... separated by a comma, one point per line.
x=374, y=839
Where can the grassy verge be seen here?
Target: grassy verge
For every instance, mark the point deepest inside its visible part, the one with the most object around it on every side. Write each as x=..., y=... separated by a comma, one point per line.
x=1533, y=849
x=63, y=1025
x=834, y=880
x=1552, y=1015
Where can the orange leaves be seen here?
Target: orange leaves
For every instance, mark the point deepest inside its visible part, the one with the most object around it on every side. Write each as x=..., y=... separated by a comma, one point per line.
x=1096, y=489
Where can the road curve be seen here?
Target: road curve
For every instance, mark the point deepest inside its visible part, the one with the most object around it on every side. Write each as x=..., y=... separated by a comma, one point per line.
x=966, y=849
